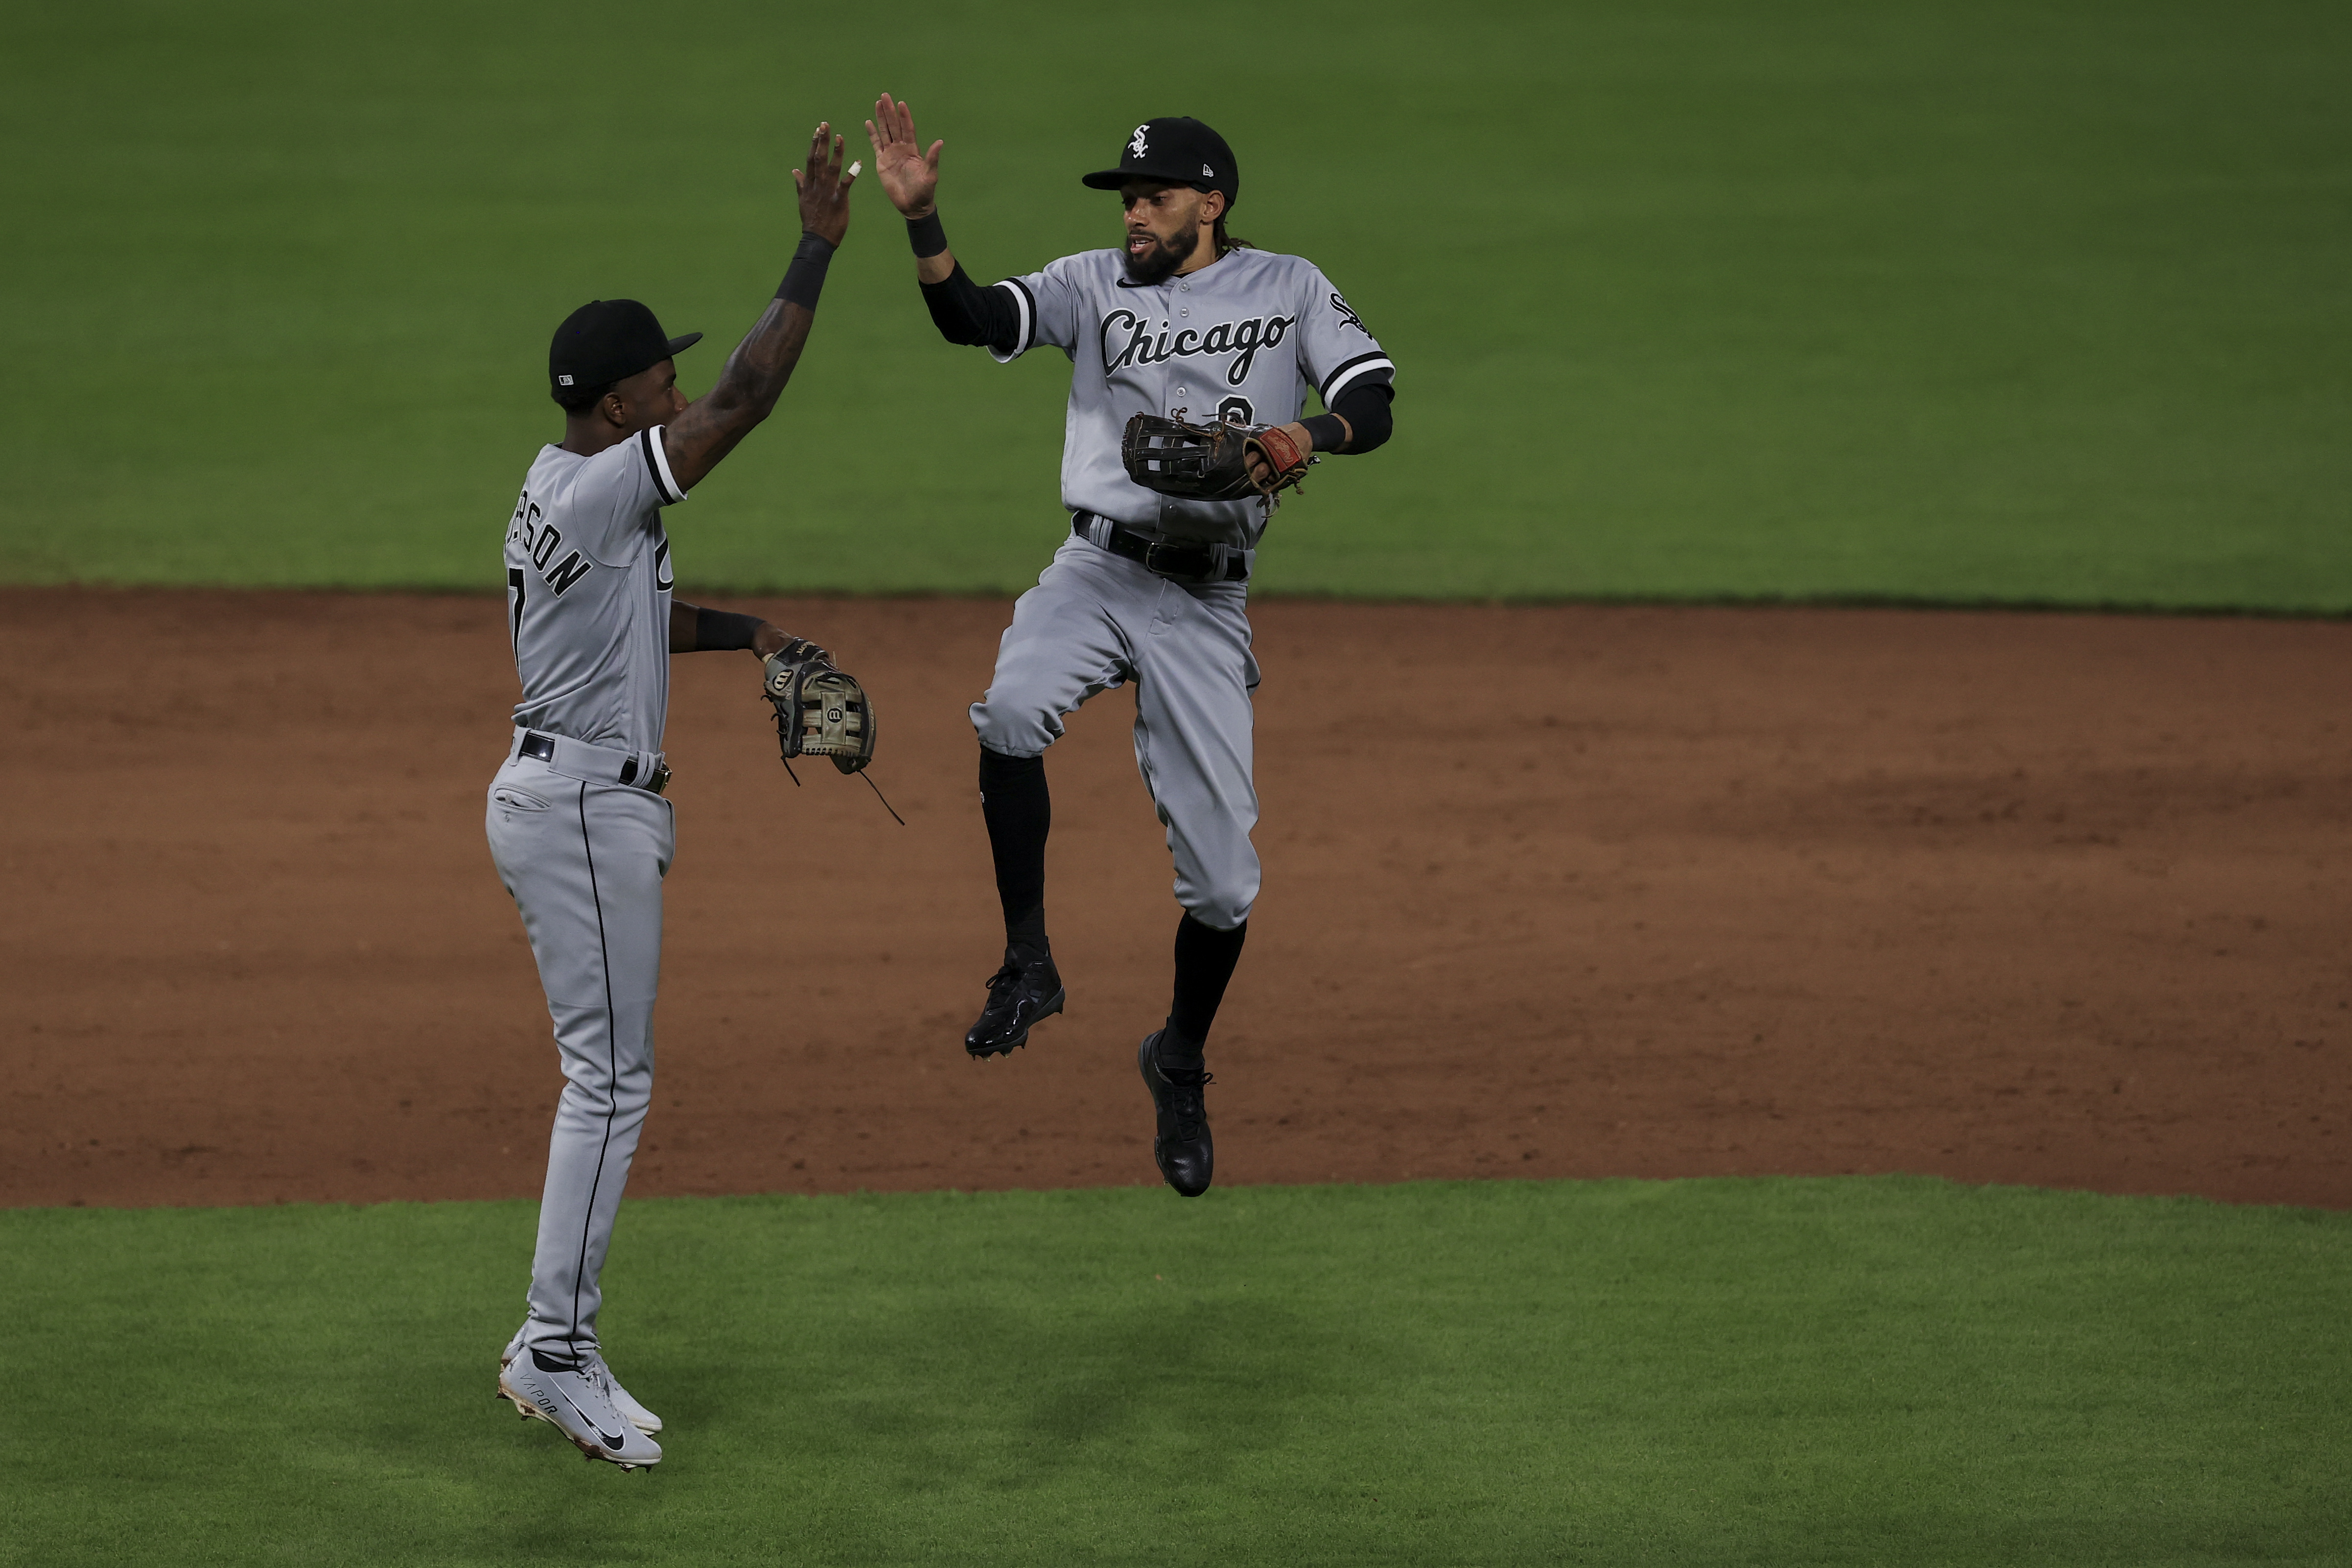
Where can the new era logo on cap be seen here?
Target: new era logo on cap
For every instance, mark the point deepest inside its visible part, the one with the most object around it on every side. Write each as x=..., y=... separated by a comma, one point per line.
x=563, y=380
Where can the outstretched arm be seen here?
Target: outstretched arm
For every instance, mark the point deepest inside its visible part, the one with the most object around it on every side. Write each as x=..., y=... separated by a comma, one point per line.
x=911, y=178
x=755, y=373
x=962, y=311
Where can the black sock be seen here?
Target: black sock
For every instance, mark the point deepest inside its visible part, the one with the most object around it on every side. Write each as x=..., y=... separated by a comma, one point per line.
x=1206, y=957
x=1012, y=799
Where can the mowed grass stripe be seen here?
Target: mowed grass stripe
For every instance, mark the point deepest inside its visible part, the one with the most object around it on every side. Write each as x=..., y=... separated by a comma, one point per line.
x=1931, y=300
x=1857, y=1371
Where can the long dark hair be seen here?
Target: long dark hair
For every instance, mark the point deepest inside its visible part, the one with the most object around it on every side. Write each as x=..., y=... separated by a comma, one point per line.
x=1226, y=242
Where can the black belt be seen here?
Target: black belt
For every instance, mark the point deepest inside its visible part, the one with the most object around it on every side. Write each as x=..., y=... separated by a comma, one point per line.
x=542, y=748
x=1186, y=562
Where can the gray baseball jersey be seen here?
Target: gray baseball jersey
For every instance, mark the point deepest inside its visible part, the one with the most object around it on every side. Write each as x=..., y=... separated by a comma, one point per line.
x=588, y=590
x=1245, y=336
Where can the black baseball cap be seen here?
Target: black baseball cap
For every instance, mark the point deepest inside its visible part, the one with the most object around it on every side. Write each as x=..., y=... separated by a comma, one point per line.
x=1179, y=149
x=607, y=340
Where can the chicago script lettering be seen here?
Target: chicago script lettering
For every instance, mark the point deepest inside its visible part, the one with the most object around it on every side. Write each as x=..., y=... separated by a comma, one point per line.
x=1128, y=339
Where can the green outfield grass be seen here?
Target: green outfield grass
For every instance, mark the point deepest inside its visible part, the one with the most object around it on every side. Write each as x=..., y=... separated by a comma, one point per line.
x=1932, y=299
x=1861, y=1371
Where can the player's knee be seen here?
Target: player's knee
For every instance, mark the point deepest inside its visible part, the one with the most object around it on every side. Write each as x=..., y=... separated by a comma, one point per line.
x=1007, y=724
x=1222, y=903
x=1224, y=915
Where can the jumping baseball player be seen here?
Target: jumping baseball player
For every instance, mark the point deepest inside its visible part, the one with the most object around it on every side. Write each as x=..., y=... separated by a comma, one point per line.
x=578, y=825
x=1150, y=588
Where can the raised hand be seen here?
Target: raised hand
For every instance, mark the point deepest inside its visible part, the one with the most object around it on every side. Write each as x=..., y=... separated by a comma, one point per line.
x=909, y=176
x=823, y=190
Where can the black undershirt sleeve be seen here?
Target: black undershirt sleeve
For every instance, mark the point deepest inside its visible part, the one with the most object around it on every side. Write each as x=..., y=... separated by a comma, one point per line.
x=716, y=631
x=1365, y=406
x=967, y=313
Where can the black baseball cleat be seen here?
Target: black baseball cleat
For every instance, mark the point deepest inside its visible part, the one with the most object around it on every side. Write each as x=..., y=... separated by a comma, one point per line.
x=1018, y=999
x=1179, y=1144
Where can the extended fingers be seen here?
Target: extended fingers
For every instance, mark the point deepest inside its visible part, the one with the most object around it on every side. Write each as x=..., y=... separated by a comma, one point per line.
x=824, y=156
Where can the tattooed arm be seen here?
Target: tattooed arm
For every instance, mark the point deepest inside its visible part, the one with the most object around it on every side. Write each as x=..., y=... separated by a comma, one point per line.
x=755, y=373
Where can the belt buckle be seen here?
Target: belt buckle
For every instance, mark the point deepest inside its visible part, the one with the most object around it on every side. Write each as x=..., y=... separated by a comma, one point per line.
x=661, y=780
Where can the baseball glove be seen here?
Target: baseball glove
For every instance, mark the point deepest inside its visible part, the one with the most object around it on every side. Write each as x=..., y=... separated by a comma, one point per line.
x=820, y=712
x=1210, y=462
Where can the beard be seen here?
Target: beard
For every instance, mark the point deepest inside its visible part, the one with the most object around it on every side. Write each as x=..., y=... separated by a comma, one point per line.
x=1159, y=263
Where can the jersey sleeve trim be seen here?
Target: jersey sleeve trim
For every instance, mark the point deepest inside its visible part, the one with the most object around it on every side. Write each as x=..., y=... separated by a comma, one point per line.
x=658, y=461
x=1025, y=334
x=1353, y=371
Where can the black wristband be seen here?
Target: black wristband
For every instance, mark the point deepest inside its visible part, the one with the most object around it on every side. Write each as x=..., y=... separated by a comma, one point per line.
x=926, y=235
x=1327, y=431
x=717, y=630
x=804, y=278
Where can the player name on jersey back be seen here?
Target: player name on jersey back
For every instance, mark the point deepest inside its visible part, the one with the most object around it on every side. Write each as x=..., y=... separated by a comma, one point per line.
x=1246, y=338
x=588, y=592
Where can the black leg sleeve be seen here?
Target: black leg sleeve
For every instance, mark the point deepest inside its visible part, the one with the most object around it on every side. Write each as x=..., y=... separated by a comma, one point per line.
x=1020, y=813
x=1206, y=957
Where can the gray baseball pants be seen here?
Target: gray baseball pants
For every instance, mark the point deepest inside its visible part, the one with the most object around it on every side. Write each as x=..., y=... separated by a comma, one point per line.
x=1095, y=621
x=584, y=863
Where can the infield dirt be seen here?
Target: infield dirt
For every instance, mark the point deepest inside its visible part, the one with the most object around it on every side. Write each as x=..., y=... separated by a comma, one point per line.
x=1562, y=891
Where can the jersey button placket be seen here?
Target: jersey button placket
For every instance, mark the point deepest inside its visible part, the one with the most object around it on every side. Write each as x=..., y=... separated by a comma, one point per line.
x=1176, y=368
x=1178, y=408
x=1184, y=312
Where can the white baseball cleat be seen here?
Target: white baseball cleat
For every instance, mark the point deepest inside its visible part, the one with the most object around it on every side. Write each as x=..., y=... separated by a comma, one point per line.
x=643, y=1419
x=576, y=1402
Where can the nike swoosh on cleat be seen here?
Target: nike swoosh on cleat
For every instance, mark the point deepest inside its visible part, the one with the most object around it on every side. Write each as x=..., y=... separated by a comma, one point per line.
x=610, y=1440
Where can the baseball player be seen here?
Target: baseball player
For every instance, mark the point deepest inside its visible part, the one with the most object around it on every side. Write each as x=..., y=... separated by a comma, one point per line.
x=1147, y=590
x=578, y=825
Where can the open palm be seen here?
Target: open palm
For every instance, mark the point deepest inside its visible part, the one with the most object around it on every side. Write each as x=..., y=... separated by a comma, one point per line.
x=909, y=176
